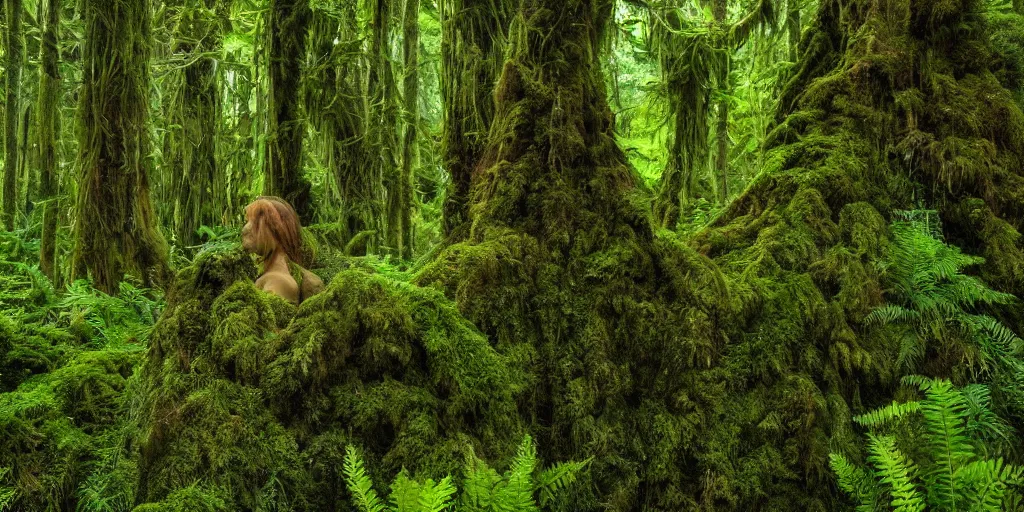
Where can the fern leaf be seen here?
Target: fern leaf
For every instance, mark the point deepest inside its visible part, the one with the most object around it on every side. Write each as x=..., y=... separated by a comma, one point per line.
x=517, y=494
x=405, y=493
x=436, y=497
x=478, y=486
x=557, y=478
x=945, y=415
x=896, y=470
x=887, y=414
x=359, y=483
x=856, y=482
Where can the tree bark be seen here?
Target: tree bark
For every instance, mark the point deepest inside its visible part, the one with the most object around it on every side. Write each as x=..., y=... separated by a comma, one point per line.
x=15, y=43
x=722, y=125
x=283, y=167
x=193, y=117
x=115, y=225
x=472, y=43
x=411, y=43
x=793, y=28
x=49, y=90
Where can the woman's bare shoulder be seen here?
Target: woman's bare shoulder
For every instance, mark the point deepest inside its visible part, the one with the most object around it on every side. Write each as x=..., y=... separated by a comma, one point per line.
x=281, y=284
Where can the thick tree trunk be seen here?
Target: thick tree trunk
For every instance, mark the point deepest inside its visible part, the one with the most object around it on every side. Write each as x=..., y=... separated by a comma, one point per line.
x=193, y=117
x=15, y=45
x=336, y=107
x=411, y=43
x=49, y=90
x=472, y=42
x=288, y=25
x=115, y=226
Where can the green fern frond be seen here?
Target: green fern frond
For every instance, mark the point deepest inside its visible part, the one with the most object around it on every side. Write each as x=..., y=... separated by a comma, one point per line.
x=945, y=416
x=478, y=486
x=896, y=470
x=856, y=482
x=891, y=314
x=887, y=414
x=405, y=493
x=436, y=497
x=359, y=483
x=557, y=478
x=986, y=483
x=517, y=493
x=7, y=494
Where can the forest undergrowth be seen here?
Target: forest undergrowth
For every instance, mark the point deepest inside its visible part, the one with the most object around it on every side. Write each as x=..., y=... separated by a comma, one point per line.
x=843, y=334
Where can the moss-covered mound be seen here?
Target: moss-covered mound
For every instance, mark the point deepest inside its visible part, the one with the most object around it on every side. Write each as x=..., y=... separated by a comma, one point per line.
x=256, y=400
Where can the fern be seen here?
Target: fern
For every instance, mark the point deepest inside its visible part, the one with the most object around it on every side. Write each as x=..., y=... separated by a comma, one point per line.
x=945, y=418
x=483, y=489
x=558, y=478
x=359, y=483
x=896, y=471
x=934, y=304
x=887, y=414
x=856, y=482
x=954, y=467
x=7, y=494
x=517, y=494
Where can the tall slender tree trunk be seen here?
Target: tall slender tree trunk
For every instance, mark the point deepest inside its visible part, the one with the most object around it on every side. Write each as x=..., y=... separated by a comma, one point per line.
x=382, y=119
x=721, y=11
x=49, y=89
x=411, y=43
x=15, y=43
x=115, y=225
x=793, y=28
x=472, y=45
x=336, y=107
x=288, y=25
x=193, y=116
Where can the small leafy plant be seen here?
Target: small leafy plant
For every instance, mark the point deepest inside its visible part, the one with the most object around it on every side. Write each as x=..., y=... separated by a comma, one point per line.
x=933, y=453
x=520, y=489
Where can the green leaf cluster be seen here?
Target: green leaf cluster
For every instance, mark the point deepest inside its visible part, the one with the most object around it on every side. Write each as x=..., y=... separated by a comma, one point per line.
x=523, y=488
x=931, y=453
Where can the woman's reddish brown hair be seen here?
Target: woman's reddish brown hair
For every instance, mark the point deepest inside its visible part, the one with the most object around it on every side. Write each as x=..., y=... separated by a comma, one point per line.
x=276, y=225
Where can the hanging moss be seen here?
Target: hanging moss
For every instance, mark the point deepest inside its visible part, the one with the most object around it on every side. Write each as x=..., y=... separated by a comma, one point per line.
x=287, y=27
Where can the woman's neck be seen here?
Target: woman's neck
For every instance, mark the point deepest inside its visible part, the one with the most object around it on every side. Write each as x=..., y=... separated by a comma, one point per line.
x=276, y=262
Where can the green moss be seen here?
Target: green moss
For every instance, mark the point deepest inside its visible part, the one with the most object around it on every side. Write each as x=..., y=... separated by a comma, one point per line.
x=256, y=398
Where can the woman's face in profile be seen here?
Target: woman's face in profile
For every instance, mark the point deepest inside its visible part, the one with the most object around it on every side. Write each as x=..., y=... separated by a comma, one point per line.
x=249, y=239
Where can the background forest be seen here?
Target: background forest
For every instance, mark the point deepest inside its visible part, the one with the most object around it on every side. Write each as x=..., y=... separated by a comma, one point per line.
x=580, y=255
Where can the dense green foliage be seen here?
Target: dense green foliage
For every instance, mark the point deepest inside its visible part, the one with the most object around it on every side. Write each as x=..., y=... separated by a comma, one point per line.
x=483, y=489
x=945, y=434
x=697, y=245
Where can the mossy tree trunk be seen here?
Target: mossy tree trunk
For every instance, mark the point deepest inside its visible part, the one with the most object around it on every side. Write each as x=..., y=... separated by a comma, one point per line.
x=15, y=44
x=472, y=43
x=115, y=225
x=382, y=127
x=193, y=179
x=689, y=64
x=404, y=198
x=793, y=27
x=288, y=26
x=49, y=119
x=722, y=126
x=336, y=108
x=721, y=373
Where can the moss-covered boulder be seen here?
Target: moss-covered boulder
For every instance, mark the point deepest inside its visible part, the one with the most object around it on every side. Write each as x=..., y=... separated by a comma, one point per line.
x=257, y=399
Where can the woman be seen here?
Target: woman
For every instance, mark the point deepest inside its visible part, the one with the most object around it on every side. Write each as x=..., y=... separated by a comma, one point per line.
x=272, y=231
